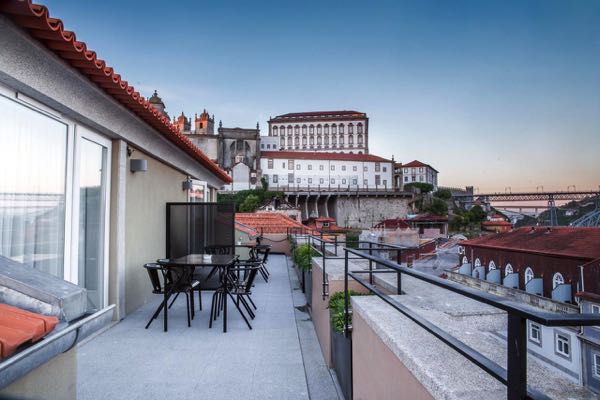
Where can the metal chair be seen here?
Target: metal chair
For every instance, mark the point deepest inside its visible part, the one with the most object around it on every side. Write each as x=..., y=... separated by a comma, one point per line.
x=174, y=282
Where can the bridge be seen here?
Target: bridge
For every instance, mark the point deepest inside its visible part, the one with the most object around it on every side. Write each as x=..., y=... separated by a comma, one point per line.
x=528, y=196
x=592, y=219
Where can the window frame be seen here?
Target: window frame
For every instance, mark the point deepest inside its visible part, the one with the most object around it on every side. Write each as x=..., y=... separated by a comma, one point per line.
x=561, y=353
x=530, y=329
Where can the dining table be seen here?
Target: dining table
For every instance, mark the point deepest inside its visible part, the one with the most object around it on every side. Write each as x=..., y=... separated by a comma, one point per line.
x=186, y=265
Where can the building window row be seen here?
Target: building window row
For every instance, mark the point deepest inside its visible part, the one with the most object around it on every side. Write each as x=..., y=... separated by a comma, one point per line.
x=335, y=128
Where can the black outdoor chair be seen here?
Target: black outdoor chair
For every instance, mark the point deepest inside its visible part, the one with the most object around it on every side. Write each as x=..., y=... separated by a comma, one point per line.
x=239, y=280
x=175, y=281
x=262, y=254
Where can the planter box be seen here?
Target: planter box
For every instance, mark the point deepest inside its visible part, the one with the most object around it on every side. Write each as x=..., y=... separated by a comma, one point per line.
x=341, y=355
x=308, y=287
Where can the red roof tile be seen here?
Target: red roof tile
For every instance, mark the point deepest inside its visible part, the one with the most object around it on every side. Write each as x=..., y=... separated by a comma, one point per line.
x=583, y=243
x=18, y=327
x=266, y=222
x=393, y=224
x=417, y=163
x=315, y=155
x=319, y=114
x=35, y=19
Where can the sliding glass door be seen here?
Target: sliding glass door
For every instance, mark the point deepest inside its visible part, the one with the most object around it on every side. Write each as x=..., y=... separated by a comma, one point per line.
x=92, y=173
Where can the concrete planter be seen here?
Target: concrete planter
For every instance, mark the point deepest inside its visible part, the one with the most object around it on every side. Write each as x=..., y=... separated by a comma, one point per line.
x=308, y=287
x=341, y=355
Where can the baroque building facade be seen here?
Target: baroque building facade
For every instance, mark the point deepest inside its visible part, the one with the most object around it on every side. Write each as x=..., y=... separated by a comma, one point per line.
x=322, y=131
x=236, y=150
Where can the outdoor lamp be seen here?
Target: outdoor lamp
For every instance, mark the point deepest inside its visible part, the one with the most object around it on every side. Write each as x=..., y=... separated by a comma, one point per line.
x=137, y=165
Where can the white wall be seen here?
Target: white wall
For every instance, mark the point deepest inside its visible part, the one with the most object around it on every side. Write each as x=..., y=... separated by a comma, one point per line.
x=345, y=148
x=327, y=173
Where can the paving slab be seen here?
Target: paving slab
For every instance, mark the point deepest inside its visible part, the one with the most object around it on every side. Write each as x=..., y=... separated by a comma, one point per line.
x=267, y=362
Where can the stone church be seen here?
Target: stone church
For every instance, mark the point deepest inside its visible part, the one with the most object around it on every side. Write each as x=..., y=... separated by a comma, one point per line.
x=236, y=150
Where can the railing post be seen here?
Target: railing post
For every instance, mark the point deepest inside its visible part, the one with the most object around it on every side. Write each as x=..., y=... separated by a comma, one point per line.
x=370, y=263
x=399, y=282
x=346, y=299
x=516, y=366
x=325, y=284
x=335, y=244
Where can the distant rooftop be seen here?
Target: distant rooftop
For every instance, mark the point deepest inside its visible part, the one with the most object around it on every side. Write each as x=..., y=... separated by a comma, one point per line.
x=561, y=241
x=345, y=114
x=266, y=222
x=313, y=155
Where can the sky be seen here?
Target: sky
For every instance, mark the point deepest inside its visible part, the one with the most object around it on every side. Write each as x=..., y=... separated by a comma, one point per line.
x=493, y=94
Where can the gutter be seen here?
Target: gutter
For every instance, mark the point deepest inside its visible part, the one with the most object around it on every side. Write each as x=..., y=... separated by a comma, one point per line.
x=62, y=341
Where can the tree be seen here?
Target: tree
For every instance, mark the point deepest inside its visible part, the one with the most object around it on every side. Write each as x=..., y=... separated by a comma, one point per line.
x=250, y=203
x=264, y=183
x=424, y=187
x=437, y=207
x=444, y=194
x=477, y=214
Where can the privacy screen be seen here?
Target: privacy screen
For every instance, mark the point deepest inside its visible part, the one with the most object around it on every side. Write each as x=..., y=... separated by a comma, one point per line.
x=198, y=228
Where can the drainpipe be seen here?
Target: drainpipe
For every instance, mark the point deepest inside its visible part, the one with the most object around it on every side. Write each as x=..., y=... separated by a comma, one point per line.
x=581, y=278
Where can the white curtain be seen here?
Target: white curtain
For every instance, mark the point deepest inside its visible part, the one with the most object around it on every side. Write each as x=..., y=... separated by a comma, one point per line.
x=33, y=154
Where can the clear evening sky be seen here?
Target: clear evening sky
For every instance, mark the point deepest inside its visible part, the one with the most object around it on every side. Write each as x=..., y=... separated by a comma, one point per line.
x=491, y=93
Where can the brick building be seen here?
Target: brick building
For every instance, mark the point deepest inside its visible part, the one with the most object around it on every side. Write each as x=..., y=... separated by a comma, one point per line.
x=541, y=260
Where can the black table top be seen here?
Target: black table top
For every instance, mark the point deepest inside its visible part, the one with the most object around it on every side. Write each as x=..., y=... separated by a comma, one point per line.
x=198, y=260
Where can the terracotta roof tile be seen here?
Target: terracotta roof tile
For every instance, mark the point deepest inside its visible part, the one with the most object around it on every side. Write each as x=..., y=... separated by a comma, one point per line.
x=266, y=222
x=314, y=155
x=319, y=114
x=18, y=327
x=35, y=19
x=583, y=243
x=417, y=163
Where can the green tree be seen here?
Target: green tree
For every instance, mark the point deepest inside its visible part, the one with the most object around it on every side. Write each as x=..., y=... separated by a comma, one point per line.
x=424, y=187
x=444, y=194
x=477, y=214
x=250, y=203
x=437, y=207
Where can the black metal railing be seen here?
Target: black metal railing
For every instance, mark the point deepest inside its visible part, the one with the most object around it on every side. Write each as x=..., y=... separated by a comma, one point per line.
x=514, y=376
x=328, y=246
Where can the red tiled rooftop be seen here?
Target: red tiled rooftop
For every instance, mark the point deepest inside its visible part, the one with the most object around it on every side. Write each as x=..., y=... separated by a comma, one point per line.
x=36, y=20
x=417, y=163
x=319, y=114
x=583, y=243
x=393, y=224
x=314, y=155
x=266, y=222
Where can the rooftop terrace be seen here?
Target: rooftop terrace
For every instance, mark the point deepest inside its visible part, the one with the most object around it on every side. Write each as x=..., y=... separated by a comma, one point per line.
x=278, y=359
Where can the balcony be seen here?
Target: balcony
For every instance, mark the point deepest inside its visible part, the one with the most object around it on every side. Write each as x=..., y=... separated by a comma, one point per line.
x=268, y=361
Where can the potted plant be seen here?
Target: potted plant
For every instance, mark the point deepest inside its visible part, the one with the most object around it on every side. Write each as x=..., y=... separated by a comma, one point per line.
x=341, y=346
x=303, y=261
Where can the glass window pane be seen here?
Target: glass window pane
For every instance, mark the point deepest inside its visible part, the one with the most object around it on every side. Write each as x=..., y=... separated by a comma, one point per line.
x=33, y=150
x=92, y=183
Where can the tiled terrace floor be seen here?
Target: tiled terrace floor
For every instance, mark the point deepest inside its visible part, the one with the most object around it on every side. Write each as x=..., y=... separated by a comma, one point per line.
x=279, y=359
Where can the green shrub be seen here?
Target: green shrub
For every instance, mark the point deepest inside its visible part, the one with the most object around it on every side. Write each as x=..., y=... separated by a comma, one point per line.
x=303, y=255
x=336, y=309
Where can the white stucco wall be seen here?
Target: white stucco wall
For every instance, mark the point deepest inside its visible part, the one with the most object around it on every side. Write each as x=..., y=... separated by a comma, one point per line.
x=360, y=174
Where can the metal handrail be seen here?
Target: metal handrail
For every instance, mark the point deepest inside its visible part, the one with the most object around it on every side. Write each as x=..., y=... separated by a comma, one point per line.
x=515, y=375
x=321, y=248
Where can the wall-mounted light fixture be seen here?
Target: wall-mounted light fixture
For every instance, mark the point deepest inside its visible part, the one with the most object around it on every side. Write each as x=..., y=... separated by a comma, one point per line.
x=137, y=165
x=187, y=184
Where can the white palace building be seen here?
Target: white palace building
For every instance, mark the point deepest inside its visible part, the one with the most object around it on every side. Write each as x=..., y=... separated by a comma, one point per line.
x=298, y=169
x=322, y=131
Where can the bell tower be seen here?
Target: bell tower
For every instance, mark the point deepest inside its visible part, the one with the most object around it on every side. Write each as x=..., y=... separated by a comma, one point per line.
x=205, y=124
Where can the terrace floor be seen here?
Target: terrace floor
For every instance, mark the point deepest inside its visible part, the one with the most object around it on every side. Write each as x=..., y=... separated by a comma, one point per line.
x=279, y=358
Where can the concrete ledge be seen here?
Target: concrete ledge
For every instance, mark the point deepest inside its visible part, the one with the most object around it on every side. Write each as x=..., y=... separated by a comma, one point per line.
x=26, y=287
x=443, y=372
x=60, y=341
